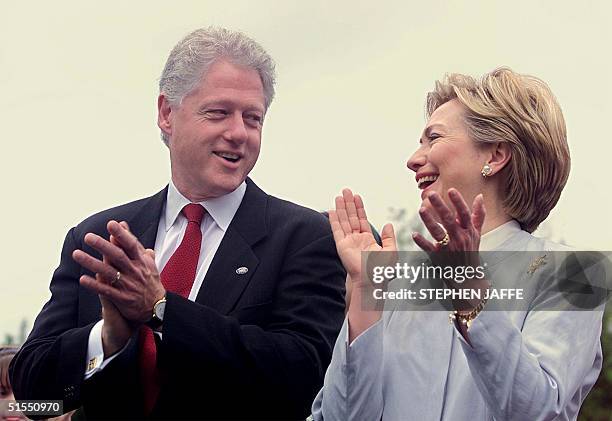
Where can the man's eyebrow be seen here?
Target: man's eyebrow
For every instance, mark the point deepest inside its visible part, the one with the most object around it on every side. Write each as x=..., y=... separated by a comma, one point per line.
x=222, y=102
x=213, y=103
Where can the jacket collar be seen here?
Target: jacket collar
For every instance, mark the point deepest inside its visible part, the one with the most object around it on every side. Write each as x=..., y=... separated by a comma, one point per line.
x=250, y=220
x=145, y=221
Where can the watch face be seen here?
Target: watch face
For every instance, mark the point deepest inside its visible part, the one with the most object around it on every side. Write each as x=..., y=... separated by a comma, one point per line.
x=160, y=308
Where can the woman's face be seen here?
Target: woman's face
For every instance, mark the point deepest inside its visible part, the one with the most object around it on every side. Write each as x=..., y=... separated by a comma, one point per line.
x=447, y=157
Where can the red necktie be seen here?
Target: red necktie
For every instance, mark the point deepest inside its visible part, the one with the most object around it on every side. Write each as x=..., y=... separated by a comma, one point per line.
x=177, y=276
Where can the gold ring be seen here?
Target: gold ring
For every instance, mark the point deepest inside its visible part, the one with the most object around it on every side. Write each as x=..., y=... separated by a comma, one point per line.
x=117, y=278
x=444, y=241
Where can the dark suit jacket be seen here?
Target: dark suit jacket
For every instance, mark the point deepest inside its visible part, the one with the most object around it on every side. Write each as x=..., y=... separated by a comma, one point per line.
x=252, y=346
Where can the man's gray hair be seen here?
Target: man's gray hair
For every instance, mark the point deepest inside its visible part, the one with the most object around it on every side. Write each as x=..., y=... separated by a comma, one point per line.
x=192, y=56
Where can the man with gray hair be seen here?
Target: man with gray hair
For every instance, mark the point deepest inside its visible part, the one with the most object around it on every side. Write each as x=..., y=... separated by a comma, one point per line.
x=208, y=300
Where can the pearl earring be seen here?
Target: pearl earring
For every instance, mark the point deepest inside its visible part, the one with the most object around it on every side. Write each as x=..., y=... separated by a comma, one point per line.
x=486, y=170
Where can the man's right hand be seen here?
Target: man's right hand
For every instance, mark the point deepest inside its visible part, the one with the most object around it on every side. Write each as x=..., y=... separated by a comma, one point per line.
x=116, y=331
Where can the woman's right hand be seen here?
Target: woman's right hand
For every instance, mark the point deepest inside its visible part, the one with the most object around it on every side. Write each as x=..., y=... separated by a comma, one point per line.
x=352, y=233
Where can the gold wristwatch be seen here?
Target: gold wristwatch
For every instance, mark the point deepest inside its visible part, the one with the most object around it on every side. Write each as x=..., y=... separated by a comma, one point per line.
x=158, y=314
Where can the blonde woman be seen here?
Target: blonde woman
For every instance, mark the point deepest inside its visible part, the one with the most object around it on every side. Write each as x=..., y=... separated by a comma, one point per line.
x=491, y=164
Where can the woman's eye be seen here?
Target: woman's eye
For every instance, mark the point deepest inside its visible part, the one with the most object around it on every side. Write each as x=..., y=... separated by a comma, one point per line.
x=433, y=137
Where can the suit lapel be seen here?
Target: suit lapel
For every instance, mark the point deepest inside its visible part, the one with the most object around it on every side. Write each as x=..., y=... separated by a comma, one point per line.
x=235, y=262
x=145, y=222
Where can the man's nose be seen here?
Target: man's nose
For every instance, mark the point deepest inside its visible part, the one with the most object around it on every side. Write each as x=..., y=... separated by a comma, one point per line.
x=236, y=130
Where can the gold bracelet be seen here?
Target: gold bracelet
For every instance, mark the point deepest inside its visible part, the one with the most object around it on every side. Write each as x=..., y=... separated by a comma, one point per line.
x=467, y=319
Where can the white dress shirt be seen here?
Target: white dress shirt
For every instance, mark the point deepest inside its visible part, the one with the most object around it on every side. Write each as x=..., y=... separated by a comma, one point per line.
x=170, y=231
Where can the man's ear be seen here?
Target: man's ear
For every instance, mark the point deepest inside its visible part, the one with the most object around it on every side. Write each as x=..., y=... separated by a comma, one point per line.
x=164, y=110
x=500, y=156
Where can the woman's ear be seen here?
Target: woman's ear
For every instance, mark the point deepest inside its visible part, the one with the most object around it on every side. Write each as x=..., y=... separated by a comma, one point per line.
x=500, y=156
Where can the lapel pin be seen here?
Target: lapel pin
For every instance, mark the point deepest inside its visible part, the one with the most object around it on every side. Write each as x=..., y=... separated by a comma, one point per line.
x=242, y=270
x=540, y=261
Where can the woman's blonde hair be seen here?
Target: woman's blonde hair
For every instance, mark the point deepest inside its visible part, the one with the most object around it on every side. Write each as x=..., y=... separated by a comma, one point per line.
x=521, y=110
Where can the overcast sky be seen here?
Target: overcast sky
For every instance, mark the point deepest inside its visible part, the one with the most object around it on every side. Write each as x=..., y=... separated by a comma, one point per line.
x=79, y=87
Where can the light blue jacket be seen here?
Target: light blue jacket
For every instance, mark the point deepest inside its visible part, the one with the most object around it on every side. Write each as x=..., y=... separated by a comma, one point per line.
x=522, y=365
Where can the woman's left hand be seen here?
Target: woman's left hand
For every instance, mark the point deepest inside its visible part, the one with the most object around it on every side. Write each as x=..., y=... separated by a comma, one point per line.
x=462, y=226
x=460, y=248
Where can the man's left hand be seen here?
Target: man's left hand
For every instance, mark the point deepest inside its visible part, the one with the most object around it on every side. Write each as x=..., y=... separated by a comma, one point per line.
x=133, y=282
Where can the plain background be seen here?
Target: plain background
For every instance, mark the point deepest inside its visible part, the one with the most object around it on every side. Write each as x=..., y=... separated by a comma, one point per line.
x=78, y=92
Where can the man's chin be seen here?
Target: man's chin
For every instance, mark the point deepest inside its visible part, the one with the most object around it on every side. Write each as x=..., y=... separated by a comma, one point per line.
x=227, y=186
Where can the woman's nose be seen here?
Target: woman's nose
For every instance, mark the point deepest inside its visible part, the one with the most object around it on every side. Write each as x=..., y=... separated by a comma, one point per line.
x=417, y=160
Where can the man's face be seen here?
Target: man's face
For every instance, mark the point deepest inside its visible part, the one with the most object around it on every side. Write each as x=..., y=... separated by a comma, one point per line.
x=215, y=133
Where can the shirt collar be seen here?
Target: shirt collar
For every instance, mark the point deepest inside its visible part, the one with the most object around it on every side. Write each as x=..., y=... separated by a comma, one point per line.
x=221, y=209
x=494, y=238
